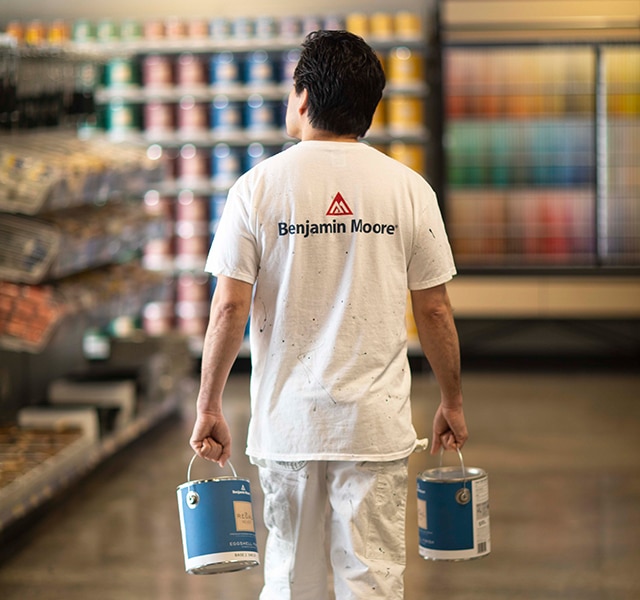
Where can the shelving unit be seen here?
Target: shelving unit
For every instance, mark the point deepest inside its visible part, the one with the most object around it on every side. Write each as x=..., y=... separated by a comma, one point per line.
x=534, y=135
x=210, y=104
x=541, y=194
x=71, y=229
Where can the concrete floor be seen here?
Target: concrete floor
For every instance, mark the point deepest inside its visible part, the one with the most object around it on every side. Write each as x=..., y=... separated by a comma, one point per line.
x=563, y=455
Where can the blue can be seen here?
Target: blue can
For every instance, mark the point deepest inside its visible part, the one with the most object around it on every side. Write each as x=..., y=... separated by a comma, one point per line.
x=226, y=116
x=261, y=114
x=216, y=520
x=453, y=513
x=226, y=165
x=224, y=69
x=259, y=69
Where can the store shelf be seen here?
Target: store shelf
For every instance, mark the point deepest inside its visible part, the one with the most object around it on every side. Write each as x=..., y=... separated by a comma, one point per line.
x=541, y=150
x=30, y=314
x=47, y=170
x=70, y=241
x=545, y=297
x=44, y=480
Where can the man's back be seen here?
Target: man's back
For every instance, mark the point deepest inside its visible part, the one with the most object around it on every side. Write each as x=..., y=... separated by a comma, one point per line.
x=335, y=233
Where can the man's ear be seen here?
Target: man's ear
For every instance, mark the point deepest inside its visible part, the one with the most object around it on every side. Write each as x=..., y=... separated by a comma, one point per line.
x=303, y=103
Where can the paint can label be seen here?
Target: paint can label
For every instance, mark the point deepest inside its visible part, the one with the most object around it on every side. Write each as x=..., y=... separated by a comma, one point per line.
x=449, y=529
x=218, y=531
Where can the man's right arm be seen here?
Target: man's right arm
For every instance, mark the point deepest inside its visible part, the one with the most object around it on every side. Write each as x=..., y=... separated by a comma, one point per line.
x=433, y=316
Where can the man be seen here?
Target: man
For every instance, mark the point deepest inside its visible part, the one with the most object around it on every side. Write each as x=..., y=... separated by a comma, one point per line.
x=320, y=243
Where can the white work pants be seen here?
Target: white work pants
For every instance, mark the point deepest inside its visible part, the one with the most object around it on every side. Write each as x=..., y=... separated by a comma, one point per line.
x=366, y=505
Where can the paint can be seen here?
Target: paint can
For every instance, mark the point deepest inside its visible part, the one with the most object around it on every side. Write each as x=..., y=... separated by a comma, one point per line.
x=261, y=114
x=226, y=116
x=224, y=70
x=216, y=520
x=259, y=69
x=226, y=165
x=453, y=513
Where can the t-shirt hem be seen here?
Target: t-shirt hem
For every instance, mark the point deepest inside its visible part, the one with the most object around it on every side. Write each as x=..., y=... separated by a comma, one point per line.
x=423, y=285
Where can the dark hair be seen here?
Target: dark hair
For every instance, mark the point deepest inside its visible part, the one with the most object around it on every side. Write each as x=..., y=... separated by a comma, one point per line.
x=344, y=80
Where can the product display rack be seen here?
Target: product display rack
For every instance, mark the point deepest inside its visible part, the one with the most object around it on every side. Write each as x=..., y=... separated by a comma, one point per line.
x=210, y=106
x=541, y=207
x=542, y=143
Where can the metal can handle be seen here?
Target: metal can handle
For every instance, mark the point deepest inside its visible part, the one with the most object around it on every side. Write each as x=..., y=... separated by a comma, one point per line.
x=196, y=456
x=464, y=473
x=463, y=496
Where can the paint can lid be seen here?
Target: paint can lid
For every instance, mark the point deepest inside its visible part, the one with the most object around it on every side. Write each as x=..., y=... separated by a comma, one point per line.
x=451, y=474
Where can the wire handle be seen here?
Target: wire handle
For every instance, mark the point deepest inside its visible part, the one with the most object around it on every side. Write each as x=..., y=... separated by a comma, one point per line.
x=196, y=456
x=463, y=495
x=464, y=473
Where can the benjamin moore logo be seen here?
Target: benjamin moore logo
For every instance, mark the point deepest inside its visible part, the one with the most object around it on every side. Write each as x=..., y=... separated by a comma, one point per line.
x=339, y=207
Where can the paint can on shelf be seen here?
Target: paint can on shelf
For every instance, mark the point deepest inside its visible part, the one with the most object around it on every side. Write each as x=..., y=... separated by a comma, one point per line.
x=259, y=69
x=405, y=67
x=453, y=512
x=224, y=69
x=190, y=70
x=408, y=26
x=120, y=72
x=216, y=520
x=121, y=119
x=192, y=117
x=157, y=71
x=226, y=115
x=158, y=120
x=405, y=115
x=226, y=165
x=261, y=114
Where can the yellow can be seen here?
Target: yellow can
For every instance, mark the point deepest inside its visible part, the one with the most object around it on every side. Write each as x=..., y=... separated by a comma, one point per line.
x=357, y=23
x=381, y=26
x=405, y=115
x=405, y=67
x=34, y=33
x=408, y=26
x=411, y=155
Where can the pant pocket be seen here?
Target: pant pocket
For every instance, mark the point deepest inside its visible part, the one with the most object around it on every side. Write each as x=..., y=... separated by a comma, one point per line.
x=386, y=531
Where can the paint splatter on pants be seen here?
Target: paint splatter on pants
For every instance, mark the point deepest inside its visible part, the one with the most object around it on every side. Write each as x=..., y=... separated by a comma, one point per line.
x=361, y=506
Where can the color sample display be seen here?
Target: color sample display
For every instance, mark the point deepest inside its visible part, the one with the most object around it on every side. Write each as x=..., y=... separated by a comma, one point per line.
x=522, y=157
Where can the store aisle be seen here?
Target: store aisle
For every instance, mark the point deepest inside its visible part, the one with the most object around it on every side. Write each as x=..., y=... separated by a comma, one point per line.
x=563, y=457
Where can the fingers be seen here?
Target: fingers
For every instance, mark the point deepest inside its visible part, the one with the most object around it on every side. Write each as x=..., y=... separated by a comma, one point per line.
x=211, y=450
x=446, y=441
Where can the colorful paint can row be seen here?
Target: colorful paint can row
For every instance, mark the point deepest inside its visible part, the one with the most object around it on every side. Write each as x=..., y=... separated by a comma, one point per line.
x=385, y=26
x=191, y=118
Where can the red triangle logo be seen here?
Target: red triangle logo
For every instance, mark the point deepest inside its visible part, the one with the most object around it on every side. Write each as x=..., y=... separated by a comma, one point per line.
x=339, y=207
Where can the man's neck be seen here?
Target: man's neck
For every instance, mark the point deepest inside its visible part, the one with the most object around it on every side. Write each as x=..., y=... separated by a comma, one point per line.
x=320, y=135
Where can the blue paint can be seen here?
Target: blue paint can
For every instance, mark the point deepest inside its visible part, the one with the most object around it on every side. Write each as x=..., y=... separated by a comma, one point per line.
x=216, y=519
x=453, y=513
x=261, y=114
x=224, y=70
x=226, y=165
x=259, y=69
x=226, y=116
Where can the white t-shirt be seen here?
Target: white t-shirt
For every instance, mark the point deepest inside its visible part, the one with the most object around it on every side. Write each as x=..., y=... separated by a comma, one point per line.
x=333, y=234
